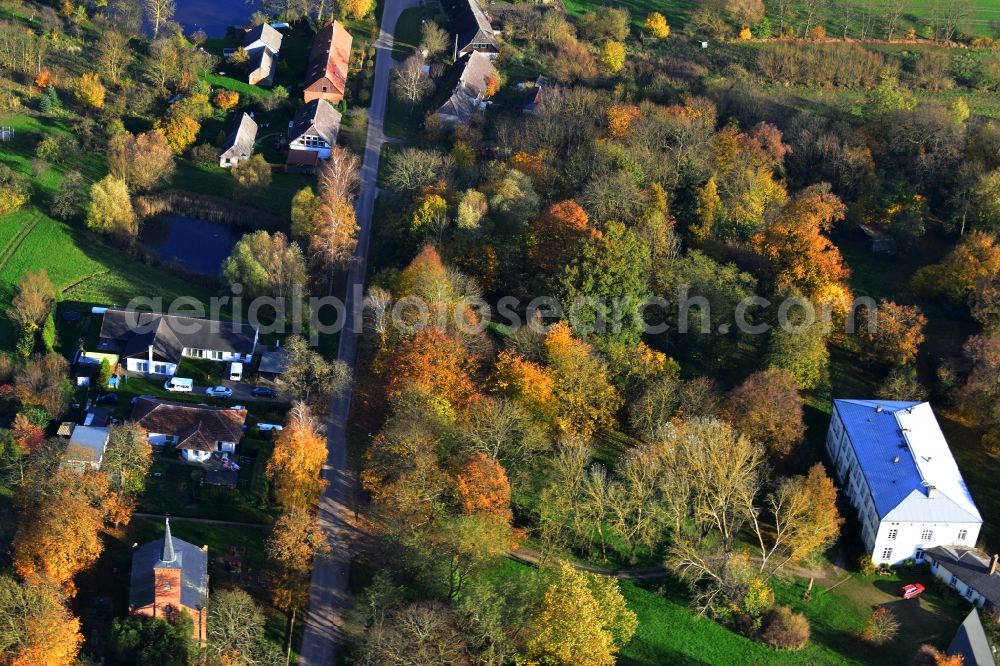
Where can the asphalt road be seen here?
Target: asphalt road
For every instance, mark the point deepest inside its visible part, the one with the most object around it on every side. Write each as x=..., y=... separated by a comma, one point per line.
x=330, y=594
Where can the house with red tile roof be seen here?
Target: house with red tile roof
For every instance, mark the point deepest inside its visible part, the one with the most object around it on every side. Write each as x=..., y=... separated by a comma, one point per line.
x=326, y=75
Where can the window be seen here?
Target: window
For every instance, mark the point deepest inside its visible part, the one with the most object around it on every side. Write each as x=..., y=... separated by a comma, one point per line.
x=892, y=534
x=919, y=555
x=953, y=581
x=887, y=554
x=969, y=592
x=962, y=534
x=926, y=535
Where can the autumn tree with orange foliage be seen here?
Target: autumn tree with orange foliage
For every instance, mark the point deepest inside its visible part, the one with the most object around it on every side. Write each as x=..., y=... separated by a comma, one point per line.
x=583, y=392
x=226, y=99
x=537, y=166
x=893, y=335
x=402, y=471
x=44, y=78
x=975, y=259
x=483, y=487
x=979, y=397
x=928, y=655
x=27, y=434
x=797, y=247
x=435, y=362
x=37, y=628
x=620, y=118
x=526, y=383
x=295, y=541
x=557, y=233
x=58, y=532
x=297, y=460
x=441, y=290
x=767, y=408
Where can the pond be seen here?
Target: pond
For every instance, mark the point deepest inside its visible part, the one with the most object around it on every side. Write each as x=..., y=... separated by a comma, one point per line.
x=214, y=16
x=199, y=246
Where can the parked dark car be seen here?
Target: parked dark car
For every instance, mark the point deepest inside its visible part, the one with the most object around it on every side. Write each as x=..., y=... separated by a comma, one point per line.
x=107, y=399
x=263, y=392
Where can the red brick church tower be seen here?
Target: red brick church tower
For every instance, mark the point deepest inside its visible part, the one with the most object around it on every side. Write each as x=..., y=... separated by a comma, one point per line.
x=168, y=576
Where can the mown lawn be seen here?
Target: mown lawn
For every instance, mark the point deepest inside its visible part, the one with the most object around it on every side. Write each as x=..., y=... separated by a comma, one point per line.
x=81, y=267
x=676, y=11
x=406, y=36
x=670, y=632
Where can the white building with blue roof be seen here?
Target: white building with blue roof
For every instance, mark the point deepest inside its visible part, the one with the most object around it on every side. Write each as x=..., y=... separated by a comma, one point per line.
x=893, y=463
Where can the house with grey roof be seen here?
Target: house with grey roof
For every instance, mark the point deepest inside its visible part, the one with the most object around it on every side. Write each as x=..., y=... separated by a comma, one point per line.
x=972, y=643
x=894, y=465
x=85, y=448
x=472, y=28
x=273, y=363
x=970, y=572
x=170, y=576
x=239, y=144
x=262, y=44
x=154, y=343
x=314, y=129
x=472, y=76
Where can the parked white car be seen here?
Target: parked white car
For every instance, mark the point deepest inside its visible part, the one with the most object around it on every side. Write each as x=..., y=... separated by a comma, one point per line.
x=219, y=391
x=179, y=385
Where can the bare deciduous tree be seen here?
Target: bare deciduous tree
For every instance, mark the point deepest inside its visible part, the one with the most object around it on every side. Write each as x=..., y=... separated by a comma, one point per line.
x=409, y=82
x=159, y=12
x=339, y=177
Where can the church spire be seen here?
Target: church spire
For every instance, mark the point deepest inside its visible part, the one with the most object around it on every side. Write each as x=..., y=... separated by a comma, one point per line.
x=168, y=555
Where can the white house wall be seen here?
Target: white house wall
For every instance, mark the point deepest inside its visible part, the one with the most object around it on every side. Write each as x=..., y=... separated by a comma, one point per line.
x=941, y=571
x=141, y=365
x=910, y=539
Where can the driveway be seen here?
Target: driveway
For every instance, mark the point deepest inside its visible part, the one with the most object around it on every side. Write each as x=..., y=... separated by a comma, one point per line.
x=330, y=593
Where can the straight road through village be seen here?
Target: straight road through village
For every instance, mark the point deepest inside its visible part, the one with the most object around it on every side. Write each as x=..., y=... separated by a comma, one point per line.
x=329, y=594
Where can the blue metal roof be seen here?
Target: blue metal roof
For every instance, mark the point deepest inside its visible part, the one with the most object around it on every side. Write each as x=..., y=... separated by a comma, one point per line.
x=877, y=441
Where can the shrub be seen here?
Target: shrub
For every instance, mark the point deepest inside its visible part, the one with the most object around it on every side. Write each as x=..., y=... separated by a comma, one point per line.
x=657, y=26
x=205, y=154
x=881, y=627
x=226, y=99
x=823, y=65
x=15, y=190
x=49, y=149
x=865, y=565
x=89, y=91
x=783, y=629
x=49, y=333
x=612, y=57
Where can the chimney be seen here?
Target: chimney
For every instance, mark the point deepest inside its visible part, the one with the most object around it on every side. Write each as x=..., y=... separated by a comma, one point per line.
x=931, y=492
x=993, y=564
x=896, y=459
x=878, y=409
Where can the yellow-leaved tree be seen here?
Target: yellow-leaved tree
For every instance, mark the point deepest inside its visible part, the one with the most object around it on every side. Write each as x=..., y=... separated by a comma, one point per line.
x=583, y=620
x=656, y=25
x=37, y=626
x=297, y=459
x=89, y=91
